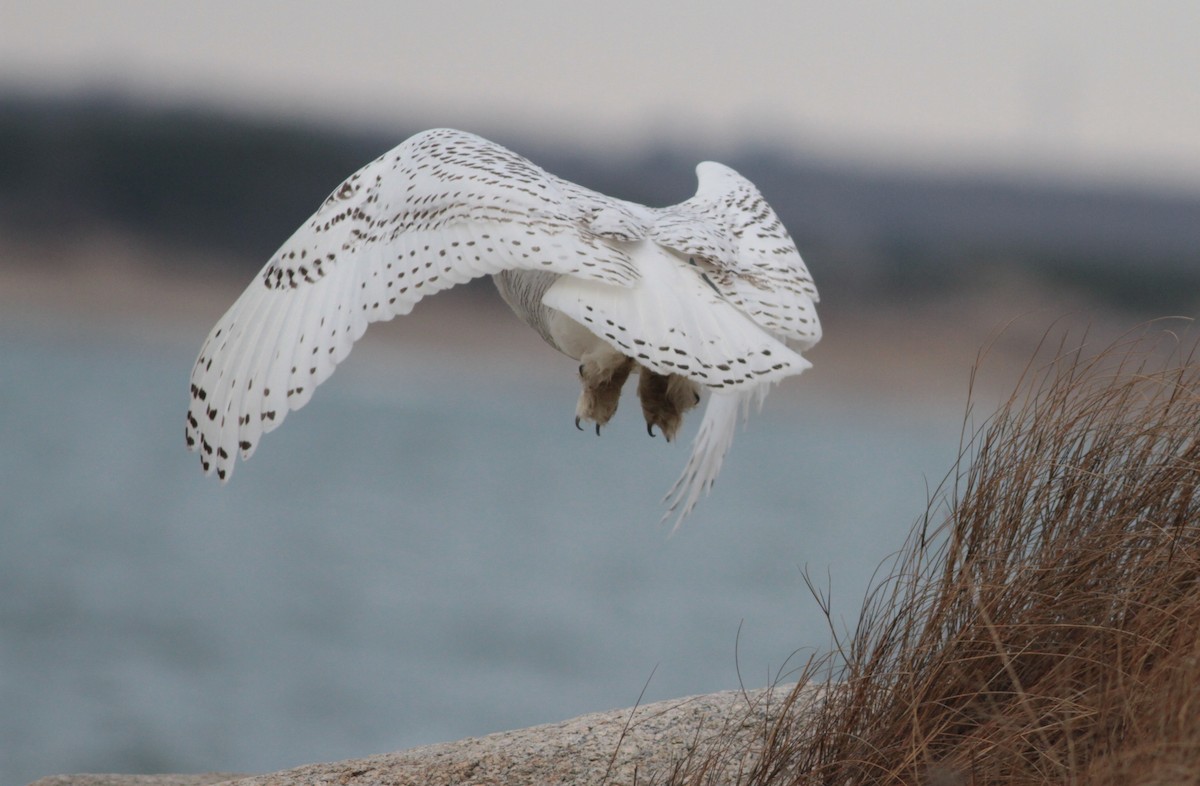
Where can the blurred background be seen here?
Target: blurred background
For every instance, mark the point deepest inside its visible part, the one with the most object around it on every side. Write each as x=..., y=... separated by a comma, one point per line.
x=430, y=550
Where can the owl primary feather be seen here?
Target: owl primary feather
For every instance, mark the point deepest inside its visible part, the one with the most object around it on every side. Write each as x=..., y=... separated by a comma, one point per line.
x=709, y=295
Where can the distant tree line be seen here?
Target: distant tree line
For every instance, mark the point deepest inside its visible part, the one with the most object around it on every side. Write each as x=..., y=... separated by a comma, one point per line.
x=186, y=176
x=239, y=185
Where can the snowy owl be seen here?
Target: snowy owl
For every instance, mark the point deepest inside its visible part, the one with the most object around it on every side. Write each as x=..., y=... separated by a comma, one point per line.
x=704, y=295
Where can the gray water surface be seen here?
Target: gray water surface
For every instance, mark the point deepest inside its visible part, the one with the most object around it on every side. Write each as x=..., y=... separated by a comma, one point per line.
x=421, y=554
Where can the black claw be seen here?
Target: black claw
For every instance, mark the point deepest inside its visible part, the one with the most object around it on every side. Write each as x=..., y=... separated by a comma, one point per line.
x=581, y=369
x=577, y=423
x=650, y=429
x=597, y=429
x=697, y=395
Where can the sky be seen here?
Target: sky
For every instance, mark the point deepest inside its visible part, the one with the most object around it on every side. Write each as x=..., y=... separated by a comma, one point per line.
x=1096, y=89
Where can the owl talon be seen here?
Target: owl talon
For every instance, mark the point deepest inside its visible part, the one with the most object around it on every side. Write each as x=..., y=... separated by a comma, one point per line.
x=602, y=379
x=665, y=399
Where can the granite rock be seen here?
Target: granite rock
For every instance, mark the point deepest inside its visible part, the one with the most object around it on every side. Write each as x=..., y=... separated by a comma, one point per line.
x=642, y=745
x=206, y=779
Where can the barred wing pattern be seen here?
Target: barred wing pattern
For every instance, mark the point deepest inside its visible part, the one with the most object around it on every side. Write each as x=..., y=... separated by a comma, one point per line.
x=445, y=207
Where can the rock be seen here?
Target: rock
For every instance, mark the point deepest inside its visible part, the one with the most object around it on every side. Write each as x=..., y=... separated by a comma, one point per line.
x=644, y=744
x=207, y=779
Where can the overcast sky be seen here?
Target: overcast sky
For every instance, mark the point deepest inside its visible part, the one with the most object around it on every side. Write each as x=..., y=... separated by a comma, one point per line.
x=1098, y=88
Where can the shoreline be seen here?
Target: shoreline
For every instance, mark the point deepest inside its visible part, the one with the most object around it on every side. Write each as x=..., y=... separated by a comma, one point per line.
x=918, y=352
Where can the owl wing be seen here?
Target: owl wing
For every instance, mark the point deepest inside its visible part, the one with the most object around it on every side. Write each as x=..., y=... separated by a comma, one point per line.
x=441, y=208
x=731, y=234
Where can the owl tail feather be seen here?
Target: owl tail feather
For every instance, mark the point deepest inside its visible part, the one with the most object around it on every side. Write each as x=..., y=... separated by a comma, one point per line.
x=709, y=447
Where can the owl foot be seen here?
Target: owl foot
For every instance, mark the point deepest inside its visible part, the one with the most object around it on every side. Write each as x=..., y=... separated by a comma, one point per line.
x=665, y=399
x=603, y=378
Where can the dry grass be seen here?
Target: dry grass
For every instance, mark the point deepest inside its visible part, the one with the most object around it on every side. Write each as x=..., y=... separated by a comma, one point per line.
x=1041, y=625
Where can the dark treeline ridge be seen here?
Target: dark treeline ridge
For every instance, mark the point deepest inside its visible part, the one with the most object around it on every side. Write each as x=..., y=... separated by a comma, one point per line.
x=238, y=186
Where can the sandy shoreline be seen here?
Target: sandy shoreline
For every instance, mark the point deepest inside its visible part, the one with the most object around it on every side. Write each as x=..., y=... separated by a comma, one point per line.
x=901, y=351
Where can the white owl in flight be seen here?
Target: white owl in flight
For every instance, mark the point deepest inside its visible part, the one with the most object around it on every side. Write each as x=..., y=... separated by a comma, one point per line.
x=706, y=294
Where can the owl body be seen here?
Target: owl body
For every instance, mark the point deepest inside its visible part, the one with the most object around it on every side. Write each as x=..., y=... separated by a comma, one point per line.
x=523, y=291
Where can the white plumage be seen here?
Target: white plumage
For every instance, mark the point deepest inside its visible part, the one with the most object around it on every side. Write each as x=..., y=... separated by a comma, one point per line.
x=708, y=293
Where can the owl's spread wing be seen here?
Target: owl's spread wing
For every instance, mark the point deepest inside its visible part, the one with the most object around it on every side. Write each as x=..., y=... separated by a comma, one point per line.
x=732, y=234
x=440, y=209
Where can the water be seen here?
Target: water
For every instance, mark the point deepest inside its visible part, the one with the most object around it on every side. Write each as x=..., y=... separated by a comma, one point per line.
x=418, y=556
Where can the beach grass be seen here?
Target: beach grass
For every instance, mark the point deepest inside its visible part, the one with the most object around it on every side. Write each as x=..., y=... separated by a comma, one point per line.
x=1041, y=623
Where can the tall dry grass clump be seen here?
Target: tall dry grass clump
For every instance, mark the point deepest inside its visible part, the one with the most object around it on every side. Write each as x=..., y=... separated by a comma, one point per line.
x=1041, y=625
